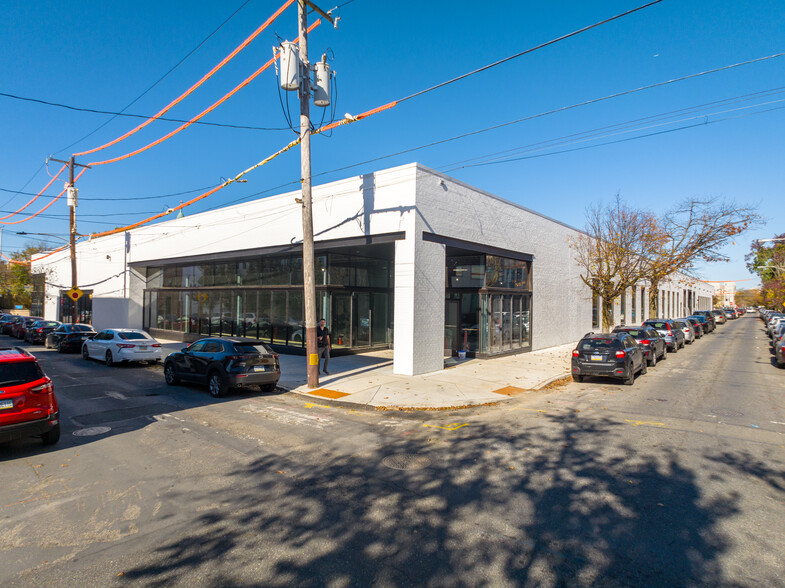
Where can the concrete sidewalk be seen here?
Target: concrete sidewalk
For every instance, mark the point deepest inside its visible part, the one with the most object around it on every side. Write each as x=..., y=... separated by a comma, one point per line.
x=368, y=380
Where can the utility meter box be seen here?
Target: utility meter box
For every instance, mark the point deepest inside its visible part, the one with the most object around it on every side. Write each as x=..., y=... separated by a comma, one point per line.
x=321, y=84
x=290, y=66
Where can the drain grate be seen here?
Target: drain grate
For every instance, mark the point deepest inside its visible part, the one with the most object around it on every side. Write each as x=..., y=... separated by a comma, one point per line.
x=726, y=412
x=92, y=431
x=406, y=461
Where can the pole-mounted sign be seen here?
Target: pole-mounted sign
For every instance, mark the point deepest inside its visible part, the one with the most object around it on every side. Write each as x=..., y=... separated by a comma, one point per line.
x=75, y=293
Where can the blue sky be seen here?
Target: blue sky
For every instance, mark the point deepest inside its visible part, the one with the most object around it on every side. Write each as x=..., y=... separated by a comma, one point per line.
x=102, y=55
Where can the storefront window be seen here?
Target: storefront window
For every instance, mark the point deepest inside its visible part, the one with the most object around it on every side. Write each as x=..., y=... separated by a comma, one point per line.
x=466, y=271
x=503, y=272
x=224, y=274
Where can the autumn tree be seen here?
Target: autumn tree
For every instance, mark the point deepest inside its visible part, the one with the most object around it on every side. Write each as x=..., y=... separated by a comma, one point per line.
x=613, y=252
x=694, y=231
x=749, y=297
x=15, y=280
x=767, y=260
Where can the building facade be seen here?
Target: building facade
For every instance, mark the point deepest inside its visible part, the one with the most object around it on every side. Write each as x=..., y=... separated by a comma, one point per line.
x=406, y=258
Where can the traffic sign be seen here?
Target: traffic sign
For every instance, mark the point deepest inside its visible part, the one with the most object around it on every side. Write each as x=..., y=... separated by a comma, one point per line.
x=75, y=293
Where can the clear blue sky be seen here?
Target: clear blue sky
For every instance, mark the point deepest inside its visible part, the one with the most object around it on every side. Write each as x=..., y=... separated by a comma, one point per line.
x=102, y=55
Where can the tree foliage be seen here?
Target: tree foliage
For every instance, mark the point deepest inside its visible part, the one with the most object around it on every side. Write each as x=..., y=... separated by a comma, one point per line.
x=15, y=280
x=749, y=297
x=693, y=231
x=614, y=250
x=767, y=260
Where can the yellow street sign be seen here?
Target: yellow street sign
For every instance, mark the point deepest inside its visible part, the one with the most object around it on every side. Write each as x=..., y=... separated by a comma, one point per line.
x=75, y=293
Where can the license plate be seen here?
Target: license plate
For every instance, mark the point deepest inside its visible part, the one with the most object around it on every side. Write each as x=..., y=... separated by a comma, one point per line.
x=596, y=357
x=258, y=368
x=143, y=348
x=4, y=404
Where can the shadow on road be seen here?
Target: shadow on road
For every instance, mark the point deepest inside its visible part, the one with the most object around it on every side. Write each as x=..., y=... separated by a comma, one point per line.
x=565, y=502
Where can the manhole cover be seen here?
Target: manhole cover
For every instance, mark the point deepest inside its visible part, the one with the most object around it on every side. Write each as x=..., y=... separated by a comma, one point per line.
x=91, y=431
x=406, y=461
x=726, y=412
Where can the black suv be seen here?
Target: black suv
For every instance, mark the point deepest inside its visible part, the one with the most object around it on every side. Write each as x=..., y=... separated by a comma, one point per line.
x=709, y=318
x=224, y=363
x=615, y=355
x=649, y=340
x=69, y=337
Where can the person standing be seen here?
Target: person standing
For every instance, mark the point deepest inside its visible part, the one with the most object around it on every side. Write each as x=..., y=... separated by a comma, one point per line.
x=323, y=342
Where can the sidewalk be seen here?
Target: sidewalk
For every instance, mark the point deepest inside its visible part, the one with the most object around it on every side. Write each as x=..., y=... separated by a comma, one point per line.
x=368, y=380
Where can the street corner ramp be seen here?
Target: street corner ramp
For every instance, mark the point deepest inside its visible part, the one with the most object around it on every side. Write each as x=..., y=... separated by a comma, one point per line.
x=331, y=394
x=509, y=391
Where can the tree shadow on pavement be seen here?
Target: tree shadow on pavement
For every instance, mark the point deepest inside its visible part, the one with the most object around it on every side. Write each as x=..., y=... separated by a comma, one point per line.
x=564, y=502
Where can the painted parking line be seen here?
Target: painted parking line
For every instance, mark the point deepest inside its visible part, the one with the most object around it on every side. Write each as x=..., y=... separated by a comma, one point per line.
x=638, y=423
x=452, y=427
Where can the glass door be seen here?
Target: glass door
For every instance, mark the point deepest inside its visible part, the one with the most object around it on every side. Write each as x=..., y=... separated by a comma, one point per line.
x=451, y=320
x=340, y=326
x=361, y=327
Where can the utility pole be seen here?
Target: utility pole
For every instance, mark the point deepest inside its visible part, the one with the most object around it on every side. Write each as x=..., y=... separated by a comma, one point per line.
x=309, y=284
x=72, y=192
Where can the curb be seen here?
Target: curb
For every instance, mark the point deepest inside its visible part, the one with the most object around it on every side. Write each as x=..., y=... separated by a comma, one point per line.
x=550, y=381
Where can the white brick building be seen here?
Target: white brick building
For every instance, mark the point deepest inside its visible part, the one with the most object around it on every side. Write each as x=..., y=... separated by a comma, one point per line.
x=406, y=257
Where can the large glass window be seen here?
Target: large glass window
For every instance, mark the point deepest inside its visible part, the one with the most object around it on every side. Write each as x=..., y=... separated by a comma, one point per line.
x=225, y=274
x=249, y=272
x=623, y=316
x=595, y=308
x=634, y=304
x=503, y=272
x=466, y=271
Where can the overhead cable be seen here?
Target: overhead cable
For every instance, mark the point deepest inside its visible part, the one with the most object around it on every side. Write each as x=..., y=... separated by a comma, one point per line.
x=204, y=78
x=45, y=207
x=33, y=199
x=206, y=111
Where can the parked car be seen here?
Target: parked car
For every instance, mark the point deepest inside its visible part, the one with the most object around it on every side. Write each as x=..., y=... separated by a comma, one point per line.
x=614, y=355
x=121, y=345
x=719, y=316
x=779, y=353
x=68, y=337
x=37, y=332
x=223, y=363
x=673, y=336
x=703, y=322
x=28, y=407
x=6, y=324
x=18, y=328
x=697, y=325
x=709, y=318
x=653, y=345
x=686, y=328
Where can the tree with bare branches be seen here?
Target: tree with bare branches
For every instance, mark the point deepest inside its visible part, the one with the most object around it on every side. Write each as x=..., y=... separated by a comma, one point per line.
x=693, y=231
x=613, y=252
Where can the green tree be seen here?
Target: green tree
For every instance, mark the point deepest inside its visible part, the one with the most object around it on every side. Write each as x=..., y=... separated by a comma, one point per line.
x=767, y=260
x=15, y=281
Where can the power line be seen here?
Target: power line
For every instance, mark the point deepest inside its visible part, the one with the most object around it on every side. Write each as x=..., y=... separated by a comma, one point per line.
x=123, y=198
x=130, y=115
x=158, y=81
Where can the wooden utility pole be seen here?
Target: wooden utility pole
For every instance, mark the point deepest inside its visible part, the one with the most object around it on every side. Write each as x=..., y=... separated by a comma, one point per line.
x=309, y=285
x=72, y=224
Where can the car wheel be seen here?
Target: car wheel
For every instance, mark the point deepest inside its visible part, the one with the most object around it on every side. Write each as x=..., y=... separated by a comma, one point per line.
x=60, y=348
x=53, y=436
x=653, y=359
x=170, y=374
x=630, y=379
x=644, y=368
x=85, y=353
x=109, y=360
x=675, y=348
x=217, y=384
x=268, y=387
x=683, y=344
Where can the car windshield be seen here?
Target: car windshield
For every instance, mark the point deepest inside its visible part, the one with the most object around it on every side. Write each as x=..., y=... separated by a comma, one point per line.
x=132, y=335
x=599, y=344
x=637, y=333
x=49, y=323
x=19, y=373
x=659, y=324
x=251, y=348
x=81, y=328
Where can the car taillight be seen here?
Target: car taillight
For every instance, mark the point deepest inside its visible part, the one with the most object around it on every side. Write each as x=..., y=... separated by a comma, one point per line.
x=669, y=330
x=156, y=345
x=575, y=353
x=40, y=330
x=621, y=354
x=126, y=345
x=645, y=341
x=46, y=388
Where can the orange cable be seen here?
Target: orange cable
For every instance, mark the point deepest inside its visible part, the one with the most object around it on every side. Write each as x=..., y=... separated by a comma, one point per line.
x=190, y=90
x=45, y=188
x=22, y=262
x=215, y=105
x=55, y=199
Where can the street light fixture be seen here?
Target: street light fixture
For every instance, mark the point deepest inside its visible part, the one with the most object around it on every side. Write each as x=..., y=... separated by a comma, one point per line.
x=767, y=240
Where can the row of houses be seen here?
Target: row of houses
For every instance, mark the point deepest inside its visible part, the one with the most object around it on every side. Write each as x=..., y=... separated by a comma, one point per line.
x=407, y=258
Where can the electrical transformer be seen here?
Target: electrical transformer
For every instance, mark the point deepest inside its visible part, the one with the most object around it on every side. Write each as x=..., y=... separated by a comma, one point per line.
x=290, y=66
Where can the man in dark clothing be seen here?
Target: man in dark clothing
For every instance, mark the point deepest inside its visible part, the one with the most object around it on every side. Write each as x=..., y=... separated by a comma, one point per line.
x=323, y=341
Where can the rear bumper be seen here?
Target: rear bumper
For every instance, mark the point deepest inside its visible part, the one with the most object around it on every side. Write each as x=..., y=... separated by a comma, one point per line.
x=253, y=378
x=28, y=429
x=582, y=368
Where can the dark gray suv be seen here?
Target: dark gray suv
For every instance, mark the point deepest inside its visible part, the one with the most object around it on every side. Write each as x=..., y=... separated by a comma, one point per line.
x=614, y=355
x=673, y=335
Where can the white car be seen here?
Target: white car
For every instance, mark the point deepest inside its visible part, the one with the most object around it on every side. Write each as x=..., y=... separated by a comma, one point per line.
x=118, y=345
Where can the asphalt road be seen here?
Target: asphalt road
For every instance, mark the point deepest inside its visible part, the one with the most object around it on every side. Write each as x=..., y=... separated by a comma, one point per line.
x=675, y=481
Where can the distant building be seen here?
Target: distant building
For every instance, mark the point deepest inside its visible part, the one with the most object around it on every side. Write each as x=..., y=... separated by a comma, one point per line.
x=726, y=293
x=406, y=258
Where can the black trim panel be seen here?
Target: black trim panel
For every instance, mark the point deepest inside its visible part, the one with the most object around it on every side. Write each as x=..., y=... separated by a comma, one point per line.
x=275, y=249
x=478, y=247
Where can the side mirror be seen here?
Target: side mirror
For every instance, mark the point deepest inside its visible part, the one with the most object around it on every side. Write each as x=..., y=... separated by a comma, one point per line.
x=184, y=350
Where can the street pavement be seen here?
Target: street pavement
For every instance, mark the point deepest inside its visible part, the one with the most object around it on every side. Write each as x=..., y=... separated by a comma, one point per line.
x=675, y=481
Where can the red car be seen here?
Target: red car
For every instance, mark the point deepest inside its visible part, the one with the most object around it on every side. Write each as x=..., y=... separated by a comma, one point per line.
x=28, y=407
x=18, y=329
